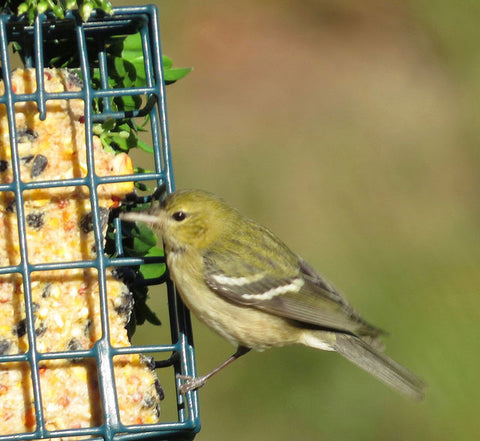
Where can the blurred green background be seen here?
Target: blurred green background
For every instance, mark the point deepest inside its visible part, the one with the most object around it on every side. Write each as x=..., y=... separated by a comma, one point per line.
x=352, y=130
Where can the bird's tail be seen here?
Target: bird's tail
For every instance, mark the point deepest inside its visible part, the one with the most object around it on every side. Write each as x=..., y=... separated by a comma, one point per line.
x=384, y=368
x=368, y=358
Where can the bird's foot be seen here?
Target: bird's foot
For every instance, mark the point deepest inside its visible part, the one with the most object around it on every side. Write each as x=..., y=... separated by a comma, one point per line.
x=191, y=383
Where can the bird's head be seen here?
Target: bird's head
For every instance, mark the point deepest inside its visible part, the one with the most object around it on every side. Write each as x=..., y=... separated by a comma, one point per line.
x=188, y=218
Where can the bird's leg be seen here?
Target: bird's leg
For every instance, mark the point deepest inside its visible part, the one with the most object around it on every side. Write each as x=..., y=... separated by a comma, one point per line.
x=192, y=383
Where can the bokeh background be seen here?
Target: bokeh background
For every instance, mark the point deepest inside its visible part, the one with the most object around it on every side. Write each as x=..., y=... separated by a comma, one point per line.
x=352, y=130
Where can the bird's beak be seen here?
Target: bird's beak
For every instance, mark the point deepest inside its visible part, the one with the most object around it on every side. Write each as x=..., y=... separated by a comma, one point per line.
x=141, y=217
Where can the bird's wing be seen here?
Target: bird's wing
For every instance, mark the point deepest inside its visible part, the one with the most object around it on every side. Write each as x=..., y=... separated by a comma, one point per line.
x=287, y=287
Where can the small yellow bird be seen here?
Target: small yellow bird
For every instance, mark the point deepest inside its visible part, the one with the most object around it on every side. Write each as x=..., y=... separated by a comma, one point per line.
x=242, y=281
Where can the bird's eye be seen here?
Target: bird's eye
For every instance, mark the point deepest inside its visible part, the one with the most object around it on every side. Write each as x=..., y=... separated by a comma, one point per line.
x=179, y=216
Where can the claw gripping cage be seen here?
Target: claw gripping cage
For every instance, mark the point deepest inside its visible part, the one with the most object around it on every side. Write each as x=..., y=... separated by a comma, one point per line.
x=176, y=355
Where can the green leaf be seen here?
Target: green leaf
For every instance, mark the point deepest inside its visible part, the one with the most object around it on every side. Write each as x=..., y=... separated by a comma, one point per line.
x=22, y=8
x=86, y=10
x=108, y=124
x=132, y=53
x=167, y=62
x=126, y=126
x=144, y=146
x=141, y=186
x=132, y=48
x=126, y=102
x=142, y=170
x=119, y=143
x=125, y=71
x=119, y=67
x=144, y=239
x=153, y=270
x=42, y=7
x=58, y=11
x=176, y=73
x=107, y=7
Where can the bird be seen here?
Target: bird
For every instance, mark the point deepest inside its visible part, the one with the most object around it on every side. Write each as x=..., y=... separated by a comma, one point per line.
x=242, y=281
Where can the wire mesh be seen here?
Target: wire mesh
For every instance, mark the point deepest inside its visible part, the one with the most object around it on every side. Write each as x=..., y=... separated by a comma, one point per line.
x=177, y=354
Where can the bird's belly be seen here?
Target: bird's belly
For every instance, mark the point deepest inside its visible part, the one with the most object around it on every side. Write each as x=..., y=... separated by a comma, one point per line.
x=241, y=325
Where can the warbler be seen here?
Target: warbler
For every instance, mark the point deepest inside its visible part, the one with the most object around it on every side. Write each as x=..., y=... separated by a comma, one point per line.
x=243, y=282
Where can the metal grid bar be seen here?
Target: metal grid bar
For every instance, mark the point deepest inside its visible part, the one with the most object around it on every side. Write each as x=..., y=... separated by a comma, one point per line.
x=179, y=352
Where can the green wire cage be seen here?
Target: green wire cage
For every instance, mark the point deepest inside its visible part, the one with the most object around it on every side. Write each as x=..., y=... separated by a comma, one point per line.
x=177, y=354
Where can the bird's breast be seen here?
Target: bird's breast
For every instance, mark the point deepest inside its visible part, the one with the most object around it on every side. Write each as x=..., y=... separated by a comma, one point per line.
x=239, y=324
